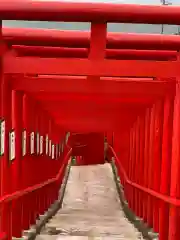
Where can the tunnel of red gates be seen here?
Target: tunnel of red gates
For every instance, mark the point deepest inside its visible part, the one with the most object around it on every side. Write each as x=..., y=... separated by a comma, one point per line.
x=63, y=92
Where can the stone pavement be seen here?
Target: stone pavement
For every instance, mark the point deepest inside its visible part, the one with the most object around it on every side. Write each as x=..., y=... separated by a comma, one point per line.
x=91, y=209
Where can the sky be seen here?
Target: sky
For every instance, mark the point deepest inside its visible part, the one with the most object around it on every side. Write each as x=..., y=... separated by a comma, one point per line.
x=119, y=1
x=152, y=2
x=138, y=28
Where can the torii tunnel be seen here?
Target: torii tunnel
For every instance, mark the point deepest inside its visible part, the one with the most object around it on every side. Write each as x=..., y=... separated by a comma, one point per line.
x=63, y=92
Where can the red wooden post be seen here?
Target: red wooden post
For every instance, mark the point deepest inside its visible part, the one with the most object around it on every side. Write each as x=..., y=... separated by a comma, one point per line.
x=5, y=171
x=150, y=168
x=98, y=41
x=16, y=160
x=26, y=161
x=37, y=165
x=128, y=197
x=141, y=163
x=133, y=168
x=174, y=230
x=33, y=181
x=166, y=166
x=130, y=167
x=45, y=156
x=136, y=166
x=146, y=162
x=157, y=160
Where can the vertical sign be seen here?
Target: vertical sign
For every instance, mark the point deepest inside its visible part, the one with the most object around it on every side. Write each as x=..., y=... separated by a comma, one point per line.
x=24, y=143
x=37, y=143
x=12, y=145
x=32, y=143
x=47, y=140
x=67, y=137
x=2, y=142
x=59, y=150
x=41, y=144
x=62, y=147
x=50, y=148
x=53, y=150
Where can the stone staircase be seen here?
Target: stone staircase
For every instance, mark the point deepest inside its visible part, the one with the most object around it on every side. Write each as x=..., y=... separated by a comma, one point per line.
x=91, y=209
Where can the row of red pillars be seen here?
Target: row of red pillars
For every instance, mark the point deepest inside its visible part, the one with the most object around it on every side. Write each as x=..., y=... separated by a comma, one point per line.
x=33, y=149
x=148, y=164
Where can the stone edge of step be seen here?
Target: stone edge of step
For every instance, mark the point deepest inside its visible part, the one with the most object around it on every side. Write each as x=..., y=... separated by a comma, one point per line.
x=138, y=223
x=43, y=219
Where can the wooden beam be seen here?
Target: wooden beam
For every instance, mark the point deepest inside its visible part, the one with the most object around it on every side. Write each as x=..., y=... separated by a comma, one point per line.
x=40, y=85
x=88, y=12
x=96, y=98
x=92, y=124
x=81, y=39
x=118, y=54
x=83, y=67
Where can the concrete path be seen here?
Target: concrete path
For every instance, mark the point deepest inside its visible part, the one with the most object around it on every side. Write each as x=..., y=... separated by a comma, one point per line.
x=91, y=209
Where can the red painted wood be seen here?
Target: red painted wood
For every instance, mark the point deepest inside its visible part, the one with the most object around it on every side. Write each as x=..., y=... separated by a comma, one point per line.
x=16, y=164
x=6, y=176
x=83, y=67
x=141, y=162
x=81, y=39
x=148, y=191
x=26, y=161
x=150, y=205
x=88, y=12
x=84, y=145
x=118, y=54
x=92, y=87
x=146, y=162
x=110, y=99
x=166, y=165
x=158, y=124
x=174, y=188
x=129, y=195
x=131, y=100
x=136, y=167
x=18, y=194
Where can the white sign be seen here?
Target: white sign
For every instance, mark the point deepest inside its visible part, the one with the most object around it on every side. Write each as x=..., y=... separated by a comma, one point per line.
x=24, y=143
x=67, y=137
x=53, y=150
x=2, y=132
x=12, y=146
x=47, y=141
x=62, y=147
x=41, y=144
x=50, y=148
x=57, y=151
x=37, y=143
x=32, y=143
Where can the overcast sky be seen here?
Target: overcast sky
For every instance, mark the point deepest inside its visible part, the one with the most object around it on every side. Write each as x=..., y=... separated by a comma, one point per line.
x=175, y=2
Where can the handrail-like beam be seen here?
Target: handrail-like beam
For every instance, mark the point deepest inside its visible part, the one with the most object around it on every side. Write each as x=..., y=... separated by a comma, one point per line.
x=119, y=54
x=81, y=39
x=21, y=193
x=88, y=12
x=159, y=196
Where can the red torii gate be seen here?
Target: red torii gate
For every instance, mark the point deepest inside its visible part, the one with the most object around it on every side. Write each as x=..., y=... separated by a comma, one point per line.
x=150, y=122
